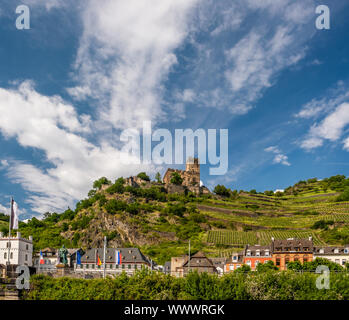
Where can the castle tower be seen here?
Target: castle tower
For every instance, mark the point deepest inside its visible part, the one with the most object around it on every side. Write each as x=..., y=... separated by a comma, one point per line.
x=192, y=172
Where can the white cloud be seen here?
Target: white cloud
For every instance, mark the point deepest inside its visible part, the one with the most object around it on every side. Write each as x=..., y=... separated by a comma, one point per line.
x=3, y=164
x=346, y=144
x=48, y=4
x=51, y=125
x=331, y=128
x=256, y=60
x=4, y=209
x=279, y=156
x=126, y=52
x=317, y=107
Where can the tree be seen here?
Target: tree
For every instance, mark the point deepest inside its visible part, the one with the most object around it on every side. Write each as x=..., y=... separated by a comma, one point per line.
x=222, y=190
x=253, y=191
x=143, y=176
x=176, y=178
x=244, y=268
x=100, y=182
x=158, y=177
x=344, y=196
x=264, y=267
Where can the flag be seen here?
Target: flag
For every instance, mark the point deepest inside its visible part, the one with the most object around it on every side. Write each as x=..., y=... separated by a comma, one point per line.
x=14, y=215
x=42, y=261
x=99, y=262
x=78, y=258
x=118, y=257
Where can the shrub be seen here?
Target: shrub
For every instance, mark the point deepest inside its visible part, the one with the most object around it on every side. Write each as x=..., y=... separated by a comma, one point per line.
x=176, y=178
x=100, y=182
x=344, y=196
x=221, y=190
x=143, y=176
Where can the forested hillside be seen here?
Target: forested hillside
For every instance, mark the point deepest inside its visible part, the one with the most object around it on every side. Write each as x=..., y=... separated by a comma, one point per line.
x=161, y=224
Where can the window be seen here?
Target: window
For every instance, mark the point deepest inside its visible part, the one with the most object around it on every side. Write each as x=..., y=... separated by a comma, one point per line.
x=87, y=266
x=5, y=255
x=321, y=251
x=257, y=262
x=287, y=260
x=129, y=266
x=111, y=266
x=123, y=266
x=26, y=247
x=26, y=257
x=248, y=252
x=258, y=253
x=117, y=266
x=93, y=266
x=11, y=255
x=336, y=250
x=267, y=252
x=305, y=259
x=336, y=261
x=343, y=262
x=278, y=261
x=296, y=258
x=235, y=258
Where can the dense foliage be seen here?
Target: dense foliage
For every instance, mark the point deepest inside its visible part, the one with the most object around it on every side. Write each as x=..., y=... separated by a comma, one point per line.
x=146, y=285
x=176, y=178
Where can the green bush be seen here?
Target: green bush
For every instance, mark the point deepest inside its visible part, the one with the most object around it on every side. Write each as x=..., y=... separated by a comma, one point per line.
x=176, y=178
x=344, y=196
x=221, y=190
x=100, y=182
x=143, y=176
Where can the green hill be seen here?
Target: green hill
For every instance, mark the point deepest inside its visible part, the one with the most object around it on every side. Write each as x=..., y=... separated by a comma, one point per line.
x=161, y=224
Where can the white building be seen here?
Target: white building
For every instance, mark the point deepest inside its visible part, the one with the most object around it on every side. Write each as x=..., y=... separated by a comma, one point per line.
x=21, y=250
x=338, y=255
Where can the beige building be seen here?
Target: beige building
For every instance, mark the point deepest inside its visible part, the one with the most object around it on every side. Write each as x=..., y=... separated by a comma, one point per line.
x=338, y=255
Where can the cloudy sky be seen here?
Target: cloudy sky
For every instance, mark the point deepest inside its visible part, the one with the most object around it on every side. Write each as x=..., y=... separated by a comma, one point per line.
x=88, y=69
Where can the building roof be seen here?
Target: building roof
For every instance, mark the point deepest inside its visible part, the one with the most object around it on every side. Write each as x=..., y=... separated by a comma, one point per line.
x=263, y=250
x=331, y=250
x=296, y=245
x=239, y=255
x=128, y=255
x=218, y=262
x=198, y=260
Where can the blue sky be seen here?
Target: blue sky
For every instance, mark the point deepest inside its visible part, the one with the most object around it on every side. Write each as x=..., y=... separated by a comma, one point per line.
x=88, y=69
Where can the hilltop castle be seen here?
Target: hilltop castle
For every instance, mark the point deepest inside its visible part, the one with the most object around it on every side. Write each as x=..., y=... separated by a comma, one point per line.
x=191, y=179
x=190, y=176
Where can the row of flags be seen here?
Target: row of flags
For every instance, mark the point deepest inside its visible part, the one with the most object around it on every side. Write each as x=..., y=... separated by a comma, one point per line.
x=78, y=258
x=99, y=261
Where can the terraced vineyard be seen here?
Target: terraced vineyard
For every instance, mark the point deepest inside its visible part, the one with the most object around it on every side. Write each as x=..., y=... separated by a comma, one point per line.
x=237, y=238
x=287, y=216
x=232, y=237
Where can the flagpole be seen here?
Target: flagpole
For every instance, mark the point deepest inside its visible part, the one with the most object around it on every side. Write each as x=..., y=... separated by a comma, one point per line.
x=9, y=233
x=105, y=247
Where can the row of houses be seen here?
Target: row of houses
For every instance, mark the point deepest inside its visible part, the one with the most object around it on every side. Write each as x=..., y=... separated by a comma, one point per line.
x=117, y=260
x=281, y=252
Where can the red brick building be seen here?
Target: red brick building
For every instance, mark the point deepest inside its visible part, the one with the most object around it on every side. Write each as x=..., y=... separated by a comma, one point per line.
x=253, y=255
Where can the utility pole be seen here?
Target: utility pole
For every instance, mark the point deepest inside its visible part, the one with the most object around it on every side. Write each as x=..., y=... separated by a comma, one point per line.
x=104, y=252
